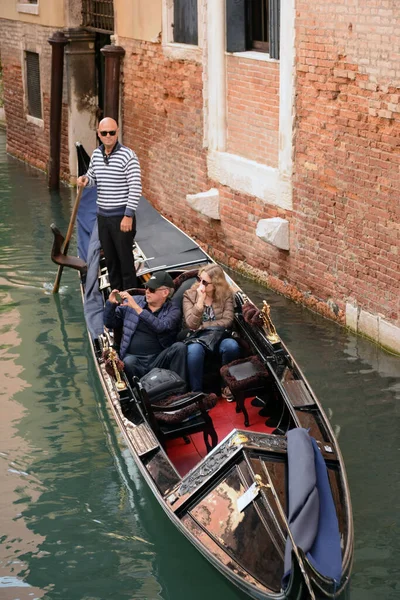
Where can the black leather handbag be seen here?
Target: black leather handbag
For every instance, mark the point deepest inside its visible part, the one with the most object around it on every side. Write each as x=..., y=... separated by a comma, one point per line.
x=161, y=383
x=209, y=337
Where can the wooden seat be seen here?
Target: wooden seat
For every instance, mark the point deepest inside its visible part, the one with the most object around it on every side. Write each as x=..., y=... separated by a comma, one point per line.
x=181, y=416
x=245, y=377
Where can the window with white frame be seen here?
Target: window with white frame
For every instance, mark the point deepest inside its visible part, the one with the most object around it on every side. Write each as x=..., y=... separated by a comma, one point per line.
x=253, y=25
x=33, y=88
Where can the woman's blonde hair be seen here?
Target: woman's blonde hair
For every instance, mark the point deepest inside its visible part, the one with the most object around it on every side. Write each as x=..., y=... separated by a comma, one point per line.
x=217, y=276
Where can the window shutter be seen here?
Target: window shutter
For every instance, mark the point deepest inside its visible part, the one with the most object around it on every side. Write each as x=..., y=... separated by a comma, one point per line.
x=236, y=25
x=185, y=22
x=33, y=85
x=274, y=27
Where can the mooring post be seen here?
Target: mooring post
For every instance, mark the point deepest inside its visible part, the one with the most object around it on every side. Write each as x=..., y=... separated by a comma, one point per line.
x=112, y=56
x=58, y=41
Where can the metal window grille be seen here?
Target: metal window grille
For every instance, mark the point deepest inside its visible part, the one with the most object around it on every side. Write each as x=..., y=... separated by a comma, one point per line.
x=98, y=15
x=33, y=84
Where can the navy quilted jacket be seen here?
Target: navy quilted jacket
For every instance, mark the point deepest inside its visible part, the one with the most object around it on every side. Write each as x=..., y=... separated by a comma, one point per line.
x=166, y=324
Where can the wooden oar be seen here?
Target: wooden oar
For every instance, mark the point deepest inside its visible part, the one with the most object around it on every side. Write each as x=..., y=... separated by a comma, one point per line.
x=68, y=237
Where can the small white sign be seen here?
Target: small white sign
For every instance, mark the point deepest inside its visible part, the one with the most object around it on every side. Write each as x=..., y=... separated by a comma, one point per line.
x=248, y=497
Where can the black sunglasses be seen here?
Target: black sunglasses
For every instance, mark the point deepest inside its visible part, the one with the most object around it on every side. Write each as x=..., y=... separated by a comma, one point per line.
x=156, y=290
x=205, y=283
x=104, y=133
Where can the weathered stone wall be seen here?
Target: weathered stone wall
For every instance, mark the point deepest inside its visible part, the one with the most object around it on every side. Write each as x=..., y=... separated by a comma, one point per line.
x=347, y=155
x=26, y=139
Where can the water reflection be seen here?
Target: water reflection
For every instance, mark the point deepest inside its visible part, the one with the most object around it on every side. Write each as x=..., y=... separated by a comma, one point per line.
x=19, y=487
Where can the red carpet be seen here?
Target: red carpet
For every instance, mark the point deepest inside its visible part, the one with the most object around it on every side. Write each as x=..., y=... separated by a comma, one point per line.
x=224, y=416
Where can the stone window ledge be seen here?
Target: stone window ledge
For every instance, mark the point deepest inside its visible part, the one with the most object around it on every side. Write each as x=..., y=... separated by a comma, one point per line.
x=32, y=9
x=250, y=177
x=252, y=55
x=35, y=121
x=183, y=52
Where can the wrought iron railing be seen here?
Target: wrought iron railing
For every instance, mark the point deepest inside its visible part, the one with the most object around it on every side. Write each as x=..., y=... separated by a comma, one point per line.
x=98, y=15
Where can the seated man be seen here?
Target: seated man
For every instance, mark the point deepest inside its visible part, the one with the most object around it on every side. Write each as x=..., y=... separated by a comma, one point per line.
x=149, y=324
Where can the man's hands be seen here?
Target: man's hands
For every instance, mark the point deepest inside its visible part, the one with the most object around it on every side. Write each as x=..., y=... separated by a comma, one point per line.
x=126, y=224
x=126, y=298
x=82, y=180
x=113, y=297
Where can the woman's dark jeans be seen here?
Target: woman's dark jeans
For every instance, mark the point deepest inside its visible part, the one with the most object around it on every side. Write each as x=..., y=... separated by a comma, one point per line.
x=228, y=350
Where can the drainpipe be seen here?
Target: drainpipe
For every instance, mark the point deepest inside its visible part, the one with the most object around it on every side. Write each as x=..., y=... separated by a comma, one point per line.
x=58, y=42
x=112, y=55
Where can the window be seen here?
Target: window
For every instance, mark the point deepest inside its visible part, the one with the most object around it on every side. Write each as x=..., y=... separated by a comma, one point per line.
x=98, y=15
x=253, y=25
x=28, y=6
x=33, y=85
x=185, y=23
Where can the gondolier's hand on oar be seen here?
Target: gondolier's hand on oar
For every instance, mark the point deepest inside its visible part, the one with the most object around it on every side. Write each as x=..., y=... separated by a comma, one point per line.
x=131, y=302
x=82, y=180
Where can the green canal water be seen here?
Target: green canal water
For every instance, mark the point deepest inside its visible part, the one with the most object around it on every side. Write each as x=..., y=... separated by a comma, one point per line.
x=77, y=521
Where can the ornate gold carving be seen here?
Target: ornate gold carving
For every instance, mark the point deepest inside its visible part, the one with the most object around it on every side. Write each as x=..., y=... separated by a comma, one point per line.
x=113, y=356
x=239, y=439
x=269, y=327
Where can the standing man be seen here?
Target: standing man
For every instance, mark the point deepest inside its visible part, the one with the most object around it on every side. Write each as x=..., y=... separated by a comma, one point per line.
x=115, y=170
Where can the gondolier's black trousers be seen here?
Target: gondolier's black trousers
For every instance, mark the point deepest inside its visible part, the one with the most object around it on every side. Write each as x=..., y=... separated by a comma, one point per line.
x=117, y=247
x=172, y=358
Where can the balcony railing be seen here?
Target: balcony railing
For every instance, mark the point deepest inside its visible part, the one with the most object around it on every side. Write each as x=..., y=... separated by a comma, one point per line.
x=98, y=15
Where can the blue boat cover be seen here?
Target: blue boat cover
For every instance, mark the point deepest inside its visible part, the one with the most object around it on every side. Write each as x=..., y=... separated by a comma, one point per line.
x=86, y=218
x=312, y=515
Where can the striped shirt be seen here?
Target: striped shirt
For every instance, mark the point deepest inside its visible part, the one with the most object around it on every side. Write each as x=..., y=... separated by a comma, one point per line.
x=118, y=181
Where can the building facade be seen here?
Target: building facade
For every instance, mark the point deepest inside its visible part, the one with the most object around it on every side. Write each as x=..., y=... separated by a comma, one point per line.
x=266, y=129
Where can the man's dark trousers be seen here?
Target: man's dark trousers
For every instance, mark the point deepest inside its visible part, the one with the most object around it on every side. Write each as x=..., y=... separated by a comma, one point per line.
x=117, y=248
x=172, y=358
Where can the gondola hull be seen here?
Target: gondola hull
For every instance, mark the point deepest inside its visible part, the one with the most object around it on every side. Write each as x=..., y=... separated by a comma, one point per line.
x=232, y=504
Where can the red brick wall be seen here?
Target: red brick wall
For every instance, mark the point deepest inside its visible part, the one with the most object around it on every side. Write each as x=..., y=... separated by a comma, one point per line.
x=253, y=109
x=347, y=154
x=163, y=123
x=26, y=140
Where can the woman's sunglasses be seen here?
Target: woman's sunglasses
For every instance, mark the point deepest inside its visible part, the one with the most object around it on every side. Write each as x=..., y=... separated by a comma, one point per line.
x=203, y=281
x=105, y=133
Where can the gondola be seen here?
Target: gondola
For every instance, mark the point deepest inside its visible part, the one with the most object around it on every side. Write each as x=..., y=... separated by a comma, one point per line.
x=258, y=486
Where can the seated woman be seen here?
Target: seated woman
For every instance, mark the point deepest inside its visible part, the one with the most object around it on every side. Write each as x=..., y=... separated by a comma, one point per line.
x=209, y=303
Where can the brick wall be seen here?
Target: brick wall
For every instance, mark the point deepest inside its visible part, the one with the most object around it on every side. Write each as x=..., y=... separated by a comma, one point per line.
x=26, y=140
x=344, y=225
x=347, y=153
x=253, y=109
x=163, y=123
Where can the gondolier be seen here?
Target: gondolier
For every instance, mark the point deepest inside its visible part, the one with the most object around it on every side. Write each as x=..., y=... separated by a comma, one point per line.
x=115, y=170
